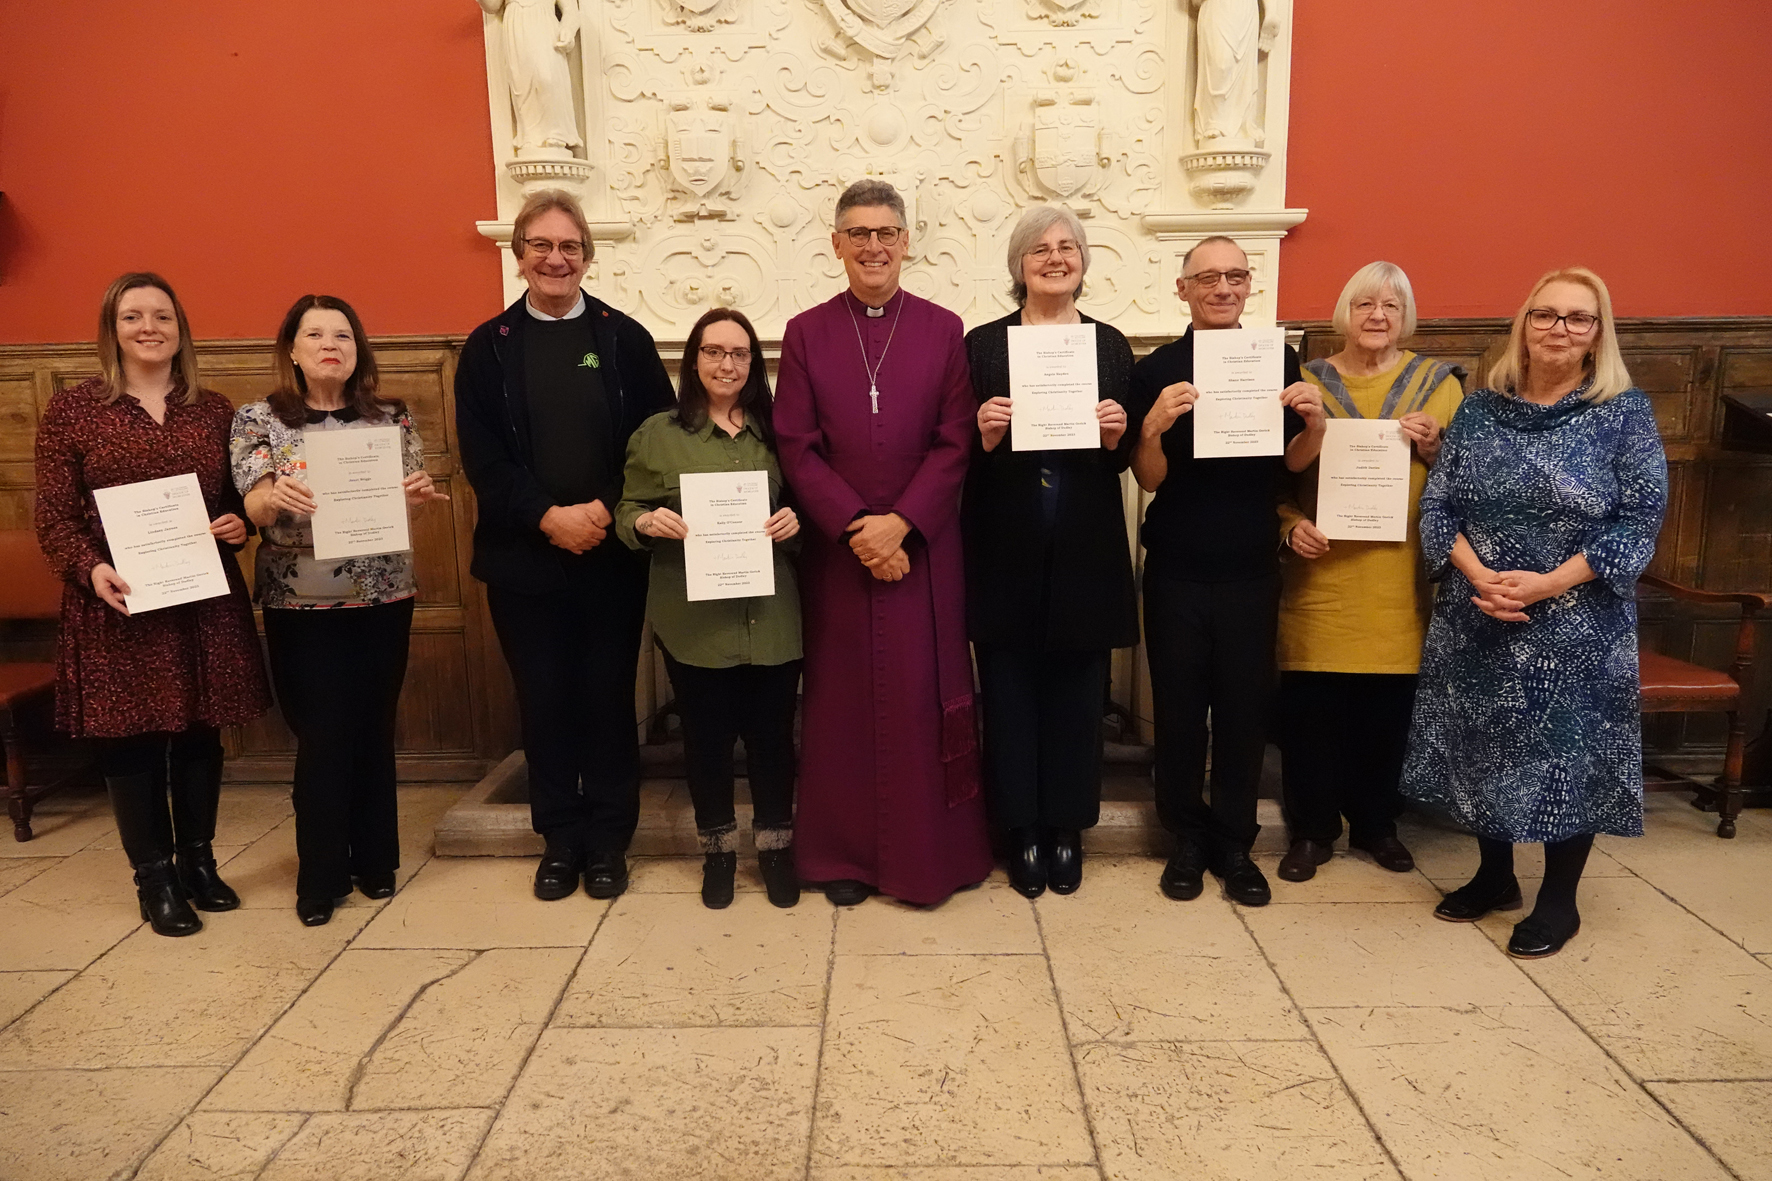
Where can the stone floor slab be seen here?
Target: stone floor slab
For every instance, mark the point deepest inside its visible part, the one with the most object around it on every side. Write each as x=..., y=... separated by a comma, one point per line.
x=309, y=1060
x=78, y=1125
x=20, y=990
x=48, y=936
x=464, y=1039
x=381, y=1146
x=481, y=902
x=195, y=1001
x=1131, y=964
x=1503, y=1092
x=1733, y=1119
x=989, y=920
x=946, y=1060
x=1657, y=987
x=220, y=1146
x=1255, y=1111
x=684, y=1104
x=1348, y=877
x=1384, y=954
x=64, y=829
x=664, y=959
x=16, y=871
x=961, y=1173
x=1725, y=883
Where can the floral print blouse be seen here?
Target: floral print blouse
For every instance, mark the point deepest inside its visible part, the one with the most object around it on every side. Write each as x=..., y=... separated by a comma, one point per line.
x=287, y=573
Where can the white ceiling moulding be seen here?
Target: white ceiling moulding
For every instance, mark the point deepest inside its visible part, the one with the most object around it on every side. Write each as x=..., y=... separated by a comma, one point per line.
x=709, y=139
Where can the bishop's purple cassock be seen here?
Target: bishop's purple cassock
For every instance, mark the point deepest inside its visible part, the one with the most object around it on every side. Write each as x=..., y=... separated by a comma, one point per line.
x=889, y=776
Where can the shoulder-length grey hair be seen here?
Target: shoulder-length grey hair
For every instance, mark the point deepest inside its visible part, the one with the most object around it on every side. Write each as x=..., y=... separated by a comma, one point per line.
x=1367, y=282
x=1027, y=234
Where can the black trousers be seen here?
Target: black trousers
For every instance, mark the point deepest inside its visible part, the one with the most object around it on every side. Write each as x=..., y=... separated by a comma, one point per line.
x=338, y=672
x=1211, y=651
x=573, y=655
x=1342, y=741
x=1042, y=734
x=720, y=705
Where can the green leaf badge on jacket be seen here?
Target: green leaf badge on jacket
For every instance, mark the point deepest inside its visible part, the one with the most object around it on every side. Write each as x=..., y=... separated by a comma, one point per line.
x=591, y=361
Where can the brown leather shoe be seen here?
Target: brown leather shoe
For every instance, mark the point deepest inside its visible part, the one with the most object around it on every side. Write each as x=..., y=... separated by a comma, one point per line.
x=1301, y=861
x=1388, y=852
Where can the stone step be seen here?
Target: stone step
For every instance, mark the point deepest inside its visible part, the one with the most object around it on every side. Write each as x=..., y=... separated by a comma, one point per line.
x=492, y=820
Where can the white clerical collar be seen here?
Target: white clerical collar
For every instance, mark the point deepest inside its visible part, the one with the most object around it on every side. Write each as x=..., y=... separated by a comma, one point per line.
x=874, y=313
x=578, y=309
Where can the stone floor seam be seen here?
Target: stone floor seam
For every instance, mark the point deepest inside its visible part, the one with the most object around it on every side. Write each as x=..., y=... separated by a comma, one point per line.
x=307, y=1117
x=1070, y=1046
x=363, y=1061
x=824, y=1017
x=1347, y=1087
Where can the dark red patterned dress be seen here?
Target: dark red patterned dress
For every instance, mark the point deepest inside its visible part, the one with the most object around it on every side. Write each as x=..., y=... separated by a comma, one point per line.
x=169, y=669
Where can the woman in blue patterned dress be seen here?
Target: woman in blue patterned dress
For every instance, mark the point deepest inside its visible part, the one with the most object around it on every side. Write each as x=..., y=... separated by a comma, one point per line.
x=1539, y=517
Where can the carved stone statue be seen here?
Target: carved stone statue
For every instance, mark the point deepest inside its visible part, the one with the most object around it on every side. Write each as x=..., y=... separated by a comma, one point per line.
x=538, y=35
x=1229, y=37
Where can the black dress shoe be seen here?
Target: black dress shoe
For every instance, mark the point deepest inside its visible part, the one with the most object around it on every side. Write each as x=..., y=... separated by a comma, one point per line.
x=719, y=872
x=1388, y=852
x=313, y=912
x=1533, y=938
x=780, y=878
x=1301, y=860
x=557, y=875
x=1244, y=883
x=380, y=885
x=1184, y=877
x=847, y=892
x=1471, y=902
x=606, y=874
x=202, y=882
x=1027, y=862
x=1064, y=863
x=162, y=900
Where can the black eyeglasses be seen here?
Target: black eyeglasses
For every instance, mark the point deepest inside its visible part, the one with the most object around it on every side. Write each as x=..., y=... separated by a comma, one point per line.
x=713, y=356
x=1578, y=323
x=859, y=235
x=572, y=248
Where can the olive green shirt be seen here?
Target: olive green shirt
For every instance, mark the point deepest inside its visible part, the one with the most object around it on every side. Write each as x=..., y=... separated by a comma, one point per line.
x=713, y=633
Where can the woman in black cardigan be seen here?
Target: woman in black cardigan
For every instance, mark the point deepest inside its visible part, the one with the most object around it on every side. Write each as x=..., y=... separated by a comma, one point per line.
x=1048, y=573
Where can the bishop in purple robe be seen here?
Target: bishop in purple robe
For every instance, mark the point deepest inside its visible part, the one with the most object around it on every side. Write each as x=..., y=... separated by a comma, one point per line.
x=875, y=420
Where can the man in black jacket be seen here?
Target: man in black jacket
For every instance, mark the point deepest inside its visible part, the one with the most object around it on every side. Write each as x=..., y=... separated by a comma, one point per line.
x=546, y=395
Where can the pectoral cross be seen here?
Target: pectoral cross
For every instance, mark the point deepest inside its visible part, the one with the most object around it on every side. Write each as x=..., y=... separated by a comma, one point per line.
x=874, y=397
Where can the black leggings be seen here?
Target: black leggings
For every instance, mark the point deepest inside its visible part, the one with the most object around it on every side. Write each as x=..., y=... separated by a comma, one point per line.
x=719, y=705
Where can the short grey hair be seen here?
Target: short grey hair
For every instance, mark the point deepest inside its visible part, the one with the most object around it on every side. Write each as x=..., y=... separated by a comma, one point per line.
x=1228, y=241
x=1027, y=234
x=871, y=192
x=1367, y=282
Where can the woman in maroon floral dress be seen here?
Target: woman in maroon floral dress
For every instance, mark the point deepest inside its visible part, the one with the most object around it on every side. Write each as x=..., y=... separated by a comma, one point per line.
x=154, y=689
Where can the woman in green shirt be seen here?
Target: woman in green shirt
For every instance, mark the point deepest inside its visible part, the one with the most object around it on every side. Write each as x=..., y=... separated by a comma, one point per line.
x=734, y=663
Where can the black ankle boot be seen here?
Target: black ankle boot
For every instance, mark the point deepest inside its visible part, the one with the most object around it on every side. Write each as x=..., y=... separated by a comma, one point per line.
x=1064, y=863
x=198, y=875
x=780, y=878
x=162, y=899
x=1027, y=862
x=718, y=871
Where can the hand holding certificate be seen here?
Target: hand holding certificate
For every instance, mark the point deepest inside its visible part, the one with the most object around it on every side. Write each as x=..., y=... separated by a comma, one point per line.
x=158, y=532
x=1363, y=480
x=1053, y=387
x=357, y=478
x=728, y=554
x=1239, y=373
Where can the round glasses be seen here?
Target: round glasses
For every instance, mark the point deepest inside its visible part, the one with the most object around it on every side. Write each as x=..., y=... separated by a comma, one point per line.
x=1578, y=323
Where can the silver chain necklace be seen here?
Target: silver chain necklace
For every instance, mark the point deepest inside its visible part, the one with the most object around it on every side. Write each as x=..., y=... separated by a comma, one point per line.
x=874, y=372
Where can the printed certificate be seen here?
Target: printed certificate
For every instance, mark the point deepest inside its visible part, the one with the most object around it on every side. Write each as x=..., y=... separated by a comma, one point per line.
x=1363, y=480
x=158, y=531
x=727, y=555
x=355, y=476
x=1054, y=386
x=1239, y=373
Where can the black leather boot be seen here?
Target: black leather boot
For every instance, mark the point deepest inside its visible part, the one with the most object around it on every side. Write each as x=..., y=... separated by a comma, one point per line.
x=196, y=797
x=162, y=900
x=1027, y=862
x=1064, y=863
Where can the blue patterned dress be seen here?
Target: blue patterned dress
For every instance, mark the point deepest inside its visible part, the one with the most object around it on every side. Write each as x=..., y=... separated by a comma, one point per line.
x=1530, y=731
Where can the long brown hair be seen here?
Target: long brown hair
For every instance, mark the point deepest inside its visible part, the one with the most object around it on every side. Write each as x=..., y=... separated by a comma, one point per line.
x=110, y=354
x=754, y=397
x=289, y=400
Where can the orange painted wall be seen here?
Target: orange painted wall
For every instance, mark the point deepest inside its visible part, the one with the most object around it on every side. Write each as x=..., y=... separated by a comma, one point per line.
x=255, y=151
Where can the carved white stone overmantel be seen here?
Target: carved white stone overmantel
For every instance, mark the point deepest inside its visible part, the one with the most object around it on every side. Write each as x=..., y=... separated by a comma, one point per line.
x=714, y=137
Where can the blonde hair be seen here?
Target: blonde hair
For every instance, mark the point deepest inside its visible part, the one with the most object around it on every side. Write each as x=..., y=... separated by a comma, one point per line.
x=541, y=202
x=1604, y=363
x=1367, y=282
x=1027, y=234
x=110, y=354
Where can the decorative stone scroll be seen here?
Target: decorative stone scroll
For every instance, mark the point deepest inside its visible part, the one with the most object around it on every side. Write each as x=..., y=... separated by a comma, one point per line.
x=713, y=137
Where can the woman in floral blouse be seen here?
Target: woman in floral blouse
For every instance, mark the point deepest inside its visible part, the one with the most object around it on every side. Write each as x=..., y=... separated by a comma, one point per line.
x=155, y=688
x=337, y=630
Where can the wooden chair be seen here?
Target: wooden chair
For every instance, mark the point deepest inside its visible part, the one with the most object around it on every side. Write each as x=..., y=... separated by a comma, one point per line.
x=1675, y=686
x=27, y=591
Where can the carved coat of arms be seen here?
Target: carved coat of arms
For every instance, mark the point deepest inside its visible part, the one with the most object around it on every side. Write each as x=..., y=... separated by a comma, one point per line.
x=881, y=26
x=1067, y=144
x=699, y=144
